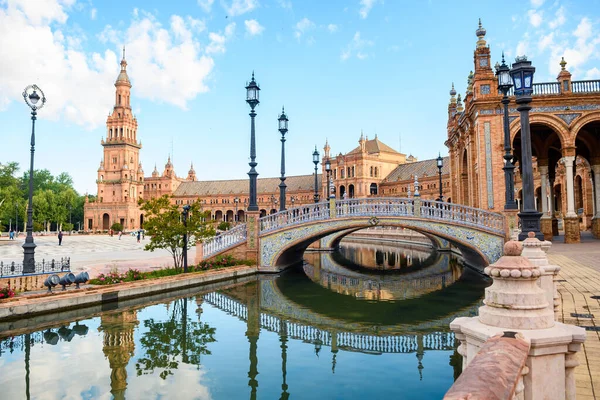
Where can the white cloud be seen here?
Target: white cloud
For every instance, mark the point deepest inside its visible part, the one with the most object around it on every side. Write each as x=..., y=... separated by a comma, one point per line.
x=303, y=26
x=93, y=13
x=285, y=4
x=366, y=6
x=239, y=7
x=559, y=18
x=587, y=44
x=522, y=48
x=332, y=28
x=217, y=40
x=53, y=60
x=546, y=41
x=206, y=5
x=593, y=73
x=357, y=47
x=253, y=28
x=535, y=17
x=537, y=3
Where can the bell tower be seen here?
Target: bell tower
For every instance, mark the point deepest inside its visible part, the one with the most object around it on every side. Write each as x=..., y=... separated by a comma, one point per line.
x=120, y=179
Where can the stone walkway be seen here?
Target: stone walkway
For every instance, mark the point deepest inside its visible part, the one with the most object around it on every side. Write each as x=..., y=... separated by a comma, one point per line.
x=92, y=253
x=579, y=281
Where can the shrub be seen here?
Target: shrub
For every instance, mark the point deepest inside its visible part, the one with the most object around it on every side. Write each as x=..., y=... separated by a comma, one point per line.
x=117, y=227
x=223, y=226
x=7, y=293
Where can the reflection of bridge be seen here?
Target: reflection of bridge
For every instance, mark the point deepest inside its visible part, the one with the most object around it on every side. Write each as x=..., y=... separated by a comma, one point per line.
x=341, y=340
x=278, y=240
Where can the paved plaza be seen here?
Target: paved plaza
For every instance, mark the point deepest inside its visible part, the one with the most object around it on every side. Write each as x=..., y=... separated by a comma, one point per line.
x=92, y=253
x=579, y=281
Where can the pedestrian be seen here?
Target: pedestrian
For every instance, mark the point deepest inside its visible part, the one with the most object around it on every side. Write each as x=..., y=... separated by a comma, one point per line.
x=143, y=234
x=139, y=235
x=60, y=238
x=120, y=233
x=11, y=235
x=111, y=233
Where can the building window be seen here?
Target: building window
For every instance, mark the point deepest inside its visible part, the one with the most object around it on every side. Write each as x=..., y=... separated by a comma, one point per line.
x=565, y=86
x=485, y=89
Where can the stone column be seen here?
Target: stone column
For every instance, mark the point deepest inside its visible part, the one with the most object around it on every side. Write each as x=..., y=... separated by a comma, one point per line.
x=596, y=219
x=546, y=220
x=515, y=303
x=553, y=208
x=571, y=220
x=252, y=239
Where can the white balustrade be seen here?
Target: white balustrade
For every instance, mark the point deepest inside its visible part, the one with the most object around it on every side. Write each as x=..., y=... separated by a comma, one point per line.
x=225, y=240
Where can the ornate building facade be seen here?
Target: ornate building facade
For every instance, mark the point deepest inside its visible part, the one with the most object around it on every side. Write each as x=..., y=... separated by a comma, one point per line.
x=565, y=136
x=371, y=169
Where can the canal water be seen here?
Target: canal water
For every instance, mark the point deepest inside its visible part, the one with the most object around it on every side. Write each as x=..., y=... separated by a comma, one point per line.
x=366, y=322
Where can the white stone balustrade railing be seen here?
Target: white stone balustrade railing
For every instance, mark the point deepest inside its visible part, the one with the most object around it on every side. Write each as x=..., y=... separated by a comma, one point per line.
x=224, y=240
x=294, y=216
x=386, y=207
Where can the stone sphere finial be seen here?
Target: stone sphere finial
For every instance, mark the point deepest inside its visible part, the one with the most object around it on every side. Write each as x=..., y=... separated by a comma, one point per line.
x=513, y=248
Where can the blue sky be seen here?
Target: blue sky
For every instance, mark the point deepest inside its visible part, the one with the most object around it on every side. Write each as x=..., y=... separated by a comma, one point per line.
x=338, y=67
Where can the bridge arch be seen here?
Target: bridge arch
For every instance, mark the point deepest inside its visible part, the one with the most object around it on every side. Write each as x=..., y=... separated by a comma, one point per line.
x=283, y=248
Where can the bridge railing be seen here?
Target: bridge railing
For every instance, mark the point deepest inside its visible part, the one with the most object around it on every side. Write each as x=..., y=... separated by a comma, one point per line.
x=224, y=240
x=294, y=216
x=437, y=210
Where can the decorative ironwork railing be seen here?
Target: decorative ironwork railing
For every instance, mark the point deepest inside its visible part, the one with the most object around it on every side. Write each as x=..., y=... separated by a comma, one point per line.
x=345, y=340
x=553, y=88
x=224, y=241
x=591, y=86
x=387, y=207
x=294, y=216
x=44, y=267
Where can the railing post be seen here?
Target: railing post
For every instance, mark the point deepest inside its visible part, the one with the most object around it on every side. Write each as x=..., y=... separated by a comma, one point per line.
x=332, y=210
x=417, y=207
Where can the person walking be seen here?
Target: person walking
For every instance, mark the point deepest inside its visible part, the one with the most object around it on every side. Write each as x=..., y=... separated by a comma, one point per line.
x=11, y=235
x=120, y=233
x=139, y=234
x=60, y=235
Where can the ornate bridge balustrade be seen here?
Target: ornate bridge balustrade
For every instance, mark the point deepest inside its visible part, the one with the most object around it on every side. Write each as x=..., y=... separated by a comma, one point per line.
x=277, y=237
x=343, y=340
x=225, y=240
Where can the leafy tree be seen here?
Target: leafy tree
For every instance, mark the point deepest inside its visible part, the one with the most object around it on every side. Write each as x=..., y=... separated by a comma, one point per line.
x=177, y=338
x=165, y=226
x=117, y=227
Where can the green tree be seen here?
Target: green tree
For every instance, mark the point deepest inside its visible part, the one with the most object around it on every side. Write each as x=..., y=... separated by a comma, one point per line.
x=176, y=339
x=164, y=224
x=117, y=227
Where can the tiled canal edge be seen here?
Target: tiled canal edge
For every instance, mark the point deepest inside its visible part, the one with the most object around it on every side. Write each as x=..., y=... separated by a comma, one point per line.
x=577, y=284
x=30, y=305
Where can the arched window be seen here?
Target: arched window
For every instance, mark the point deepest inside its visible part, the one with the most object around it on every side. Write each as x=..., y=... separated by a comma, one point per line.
x=119, y=99
x=371, y=172
x=376, y=172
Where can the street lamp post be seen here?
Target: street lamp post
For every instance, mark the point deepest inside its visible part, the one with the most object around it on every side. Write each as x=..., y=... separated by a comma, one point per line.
x=328, y=170
x=440, y=165
x=32, y=98
x=70, y=220
x=185, y=213
x=522, y=77
x=283, y=128
x=252, y=99
x=16, y=218
x=316, y=162
x=504, y=85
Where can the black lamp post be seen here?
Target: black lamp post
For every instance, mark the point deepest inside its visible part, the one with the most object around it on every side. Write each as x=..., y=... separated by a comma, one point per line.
x=185, y=213
x=440, y=165
x=522, y=77
x=252, y=99
x=283, y=128
x=16, y=218
x=32, y=98
x=504, y=85
x=328, y=170
x=316, y=162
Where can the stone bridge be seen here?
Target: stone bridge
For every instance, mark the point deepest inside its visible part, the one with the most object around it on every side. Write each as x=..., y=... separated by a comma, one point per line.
x=278, y=240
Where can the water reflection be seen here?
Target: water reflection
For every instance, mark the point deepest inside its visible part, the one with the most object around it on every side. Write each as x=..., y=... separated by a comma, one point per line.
x=383, y=257
x=326, y=269
x=311, y=342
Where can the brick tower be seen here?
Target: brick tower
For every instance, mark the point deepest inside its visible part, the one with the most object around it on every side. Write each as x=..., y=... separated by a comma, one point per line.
x=120, y=176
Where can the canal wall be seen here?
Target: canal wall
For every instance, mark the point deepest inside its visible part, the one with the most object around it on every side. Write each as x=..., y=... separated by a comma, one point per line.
x=110, y=295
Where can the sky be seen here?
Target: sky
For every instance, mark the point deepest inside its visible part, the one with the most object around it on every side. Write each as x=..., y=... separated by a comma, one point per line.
x=381, y=66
